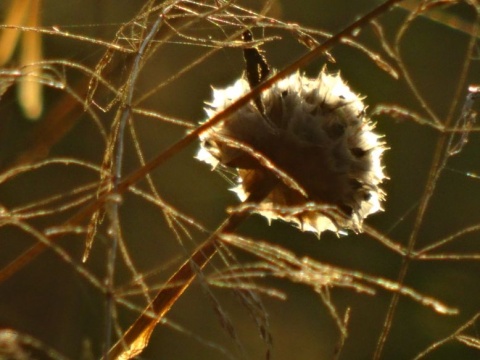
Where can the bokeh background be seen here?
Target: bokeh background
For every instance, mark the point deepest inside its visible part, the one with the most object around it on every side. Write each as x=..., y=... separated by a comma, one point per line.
x=51, y=301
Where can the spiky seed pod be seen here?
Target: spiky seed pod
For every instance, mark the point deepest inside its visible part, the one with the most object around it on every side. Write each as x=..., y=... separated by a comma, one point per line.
x=315, y=137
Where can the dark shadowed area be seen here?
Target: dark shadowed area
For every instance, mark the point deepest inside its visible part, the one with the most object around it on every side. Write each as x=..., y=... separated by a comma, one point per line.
x=61, y=302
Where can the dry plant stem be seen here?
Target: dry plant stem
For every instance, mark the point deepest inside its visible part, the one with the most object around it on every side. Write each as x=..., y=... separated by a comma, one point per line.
x=56, y=124
x=127, y=106
x=139, y=174
x=438, y=164
x=56, y=32
x=440, y=16
x=66, y=113
x=113, y=213
x=451, y=337
x=137, y=336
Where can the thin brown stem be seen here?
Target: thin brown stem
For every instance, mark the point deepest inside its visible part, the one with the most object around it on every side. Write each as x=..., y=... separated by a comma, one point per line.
x=438, y=164
x=137, y=336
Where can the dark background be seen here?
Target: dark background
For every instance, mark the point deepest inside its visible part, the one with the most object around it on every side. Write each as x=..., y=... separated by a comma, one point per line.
x=52, y=302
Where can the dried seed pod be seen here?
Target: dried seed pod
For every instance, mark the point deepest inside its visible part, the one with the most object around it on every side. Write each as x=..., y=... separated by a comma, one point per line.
x=315, y=137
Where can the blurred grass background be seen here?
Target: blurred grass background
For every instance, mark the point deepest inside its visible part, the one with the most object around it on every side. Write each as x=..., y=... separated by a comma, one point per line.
x=49, y=300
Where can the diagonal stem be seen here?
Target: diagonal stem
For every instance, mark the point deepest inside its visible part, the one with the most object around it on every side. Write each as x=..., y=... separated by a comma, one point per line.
x=137, y=336
x=438, y=164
